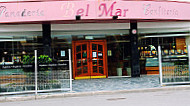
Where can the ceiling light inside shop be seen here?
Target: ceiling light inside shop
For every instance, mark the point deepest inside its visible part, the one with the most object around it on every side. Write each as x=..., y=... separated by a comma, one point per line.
x=161, y=30
x=23, y=52
x=5, y=52
x=4, y=40
x=166, y=35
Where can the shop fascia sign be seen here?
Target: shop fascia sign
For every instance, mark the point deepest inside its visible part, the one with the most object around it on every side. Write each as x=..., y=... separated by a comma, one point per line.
x=159, y=10
x=122, y=9
x=67, y=10
x=4, y=12
x=104, y=9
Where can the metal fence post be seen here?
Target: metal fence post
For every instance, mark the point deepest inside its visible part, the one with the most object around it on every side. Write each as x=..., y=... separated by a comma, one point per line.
x=36, y=73
x=189, y=59
x=160, y=63
x=70, y=69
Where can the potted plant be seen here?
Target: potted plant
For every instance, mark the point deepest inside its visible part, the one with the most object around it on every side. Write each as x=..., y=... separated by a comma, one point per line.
x=29, y=60
x=119, y=68
x=44, y=59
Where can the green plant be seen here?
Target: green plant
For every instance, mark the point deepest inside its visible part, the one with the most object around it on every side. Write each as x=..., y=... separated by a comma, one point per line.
x=29, y=60
x=44, y=59
x=10, y=84
x=120, y=65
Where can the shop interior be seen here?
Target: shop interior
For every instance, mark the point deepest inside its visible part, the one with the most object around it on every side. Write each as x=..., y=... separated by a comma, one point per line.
x=14, y=45
x=172, y=41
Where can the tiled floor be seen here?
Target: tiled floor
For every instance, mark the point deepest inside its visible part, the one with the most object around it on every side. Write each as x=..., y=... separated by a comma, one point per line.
x=109, y=84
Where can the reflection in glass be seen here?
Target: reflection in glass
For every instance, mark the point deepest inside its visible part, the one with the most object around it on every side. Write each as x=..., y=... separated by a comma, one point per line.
x=94, y=62
x=84, y=47
x=84, y=61
x=99, y=47
x=79, y=71
x=94, y=47
x=100, y=62
x=101, y=70
x=84, y=54
x=100, y=55
x=85, y=70
x=95, y=69
x=79, y=56
x=78, y=48
x=78, y=63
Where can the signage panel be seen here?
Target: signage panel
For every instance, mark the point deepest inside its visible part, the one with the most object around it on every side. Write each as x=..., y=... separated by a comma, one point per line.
x=67, y=10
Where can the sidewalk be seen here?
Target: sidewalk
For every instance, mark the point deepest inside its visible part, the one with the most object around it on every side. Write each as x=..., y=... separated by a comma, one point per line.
x=112, y=84
x=167, y=96
x=102, y=87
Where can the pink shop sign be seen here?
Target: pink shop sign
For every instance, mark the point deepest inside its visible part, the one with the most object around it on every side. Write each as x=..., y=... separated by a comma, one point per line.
x=67, y=10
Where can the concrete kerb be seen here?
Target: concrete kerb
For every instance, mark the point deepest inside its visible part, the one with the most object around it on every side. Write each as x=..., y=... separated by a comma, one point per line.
x=77, y=94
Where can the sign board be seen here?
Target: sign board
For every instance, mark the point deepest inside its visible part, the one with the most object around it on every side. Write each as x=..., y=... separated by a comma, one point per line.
x=62, y=53
x=68, y=10
x=174, y=59
x=94, y=54
x=89, y=37
x=109, y=53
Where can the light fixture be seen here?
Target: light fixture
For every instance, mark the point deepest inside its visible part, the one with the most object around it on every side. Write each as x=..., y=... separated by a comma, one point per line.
x=166, y=35
x=78, y=17
x=23, y=52
x=4, y=40
x=5, y=52
x=115, y=17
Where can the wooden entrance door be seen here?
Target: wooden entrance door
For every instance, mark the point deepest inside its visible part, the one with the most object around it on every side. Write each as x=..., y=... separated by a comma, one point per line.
x=89, y=59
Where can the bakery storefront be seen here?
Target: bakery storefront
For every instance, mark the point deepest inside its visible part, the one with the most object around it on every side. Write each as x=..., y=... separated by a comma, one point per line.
x=107, y=38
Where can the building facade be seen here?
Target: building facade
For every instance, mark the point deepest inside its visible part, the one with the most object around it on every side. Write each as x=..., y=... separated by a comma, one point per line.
x=107, y=38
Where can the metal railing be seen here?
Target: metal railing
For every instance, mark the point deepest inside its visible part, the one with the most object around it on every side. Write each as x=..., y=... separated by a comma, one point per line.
x=171, y=71
x=177, y=73
x=56, y=78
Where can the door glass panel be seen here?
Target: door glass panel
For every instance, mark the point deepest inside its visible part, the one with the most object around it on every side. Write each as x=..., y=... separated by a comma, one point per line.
x=95, y=69
x=101, y=70
x=100, y=62
x=85, y=70
x=79, y=56
x=84, y=54
x=84, y=61
x=99, y=47
x=78, y=48
x=78, y=63
x=89, y=62
x=84, y=47
x=94, y=62
x=79, y=71
x=94, y=47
